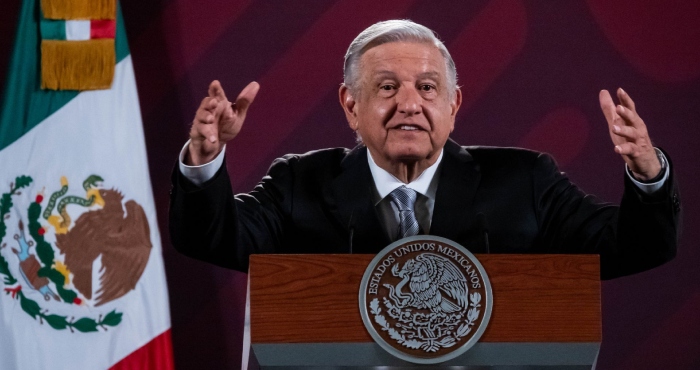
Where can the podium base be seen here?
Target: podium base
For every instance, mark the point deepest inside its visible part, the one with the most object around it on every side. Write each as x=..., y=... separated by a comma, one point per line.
x=485, y=355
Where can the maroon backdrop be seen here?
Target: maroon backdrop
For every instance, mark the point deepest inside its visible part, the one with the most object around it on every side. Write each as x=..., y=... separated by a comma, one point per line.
x=530, y=72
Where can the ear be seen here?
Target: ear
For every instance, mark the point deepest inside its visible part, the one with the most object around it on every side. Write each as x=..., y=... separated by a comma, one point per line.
x=347, y=101
x=454, y=105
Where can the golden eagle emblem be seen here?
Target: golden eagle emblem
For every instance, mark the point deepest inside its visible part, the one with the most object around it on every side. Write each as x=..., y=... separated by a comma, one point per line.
x=80, y=250
x=118, y=234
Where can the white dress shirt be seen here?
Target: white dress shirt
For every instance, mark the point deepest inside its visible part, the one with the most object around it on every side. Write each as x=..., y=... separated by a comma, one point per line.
x=425, y=185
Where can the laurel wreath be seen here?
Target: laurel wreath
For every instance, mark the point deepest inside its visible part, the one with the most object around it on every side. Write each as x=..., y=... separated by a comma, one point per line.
x=46, y=256
x=432, y=345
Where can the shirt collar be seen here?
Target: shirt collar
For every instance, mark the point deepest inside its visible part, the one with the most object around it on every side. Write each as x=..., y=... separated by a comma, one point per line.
x=386, y=182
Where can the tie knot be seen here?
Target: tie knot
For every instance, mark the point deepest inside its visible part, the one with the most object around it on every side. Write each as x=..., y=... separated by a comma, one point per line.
x=404, y=197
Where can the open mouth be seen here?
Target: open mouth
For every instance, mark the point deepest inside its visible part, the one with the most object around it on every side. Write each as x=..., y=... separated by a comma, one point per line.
x=408, y=128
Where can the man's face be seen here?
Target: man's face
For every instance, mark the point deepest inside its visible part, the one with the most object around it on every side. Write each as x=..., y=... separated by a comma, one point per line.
x=403, y=110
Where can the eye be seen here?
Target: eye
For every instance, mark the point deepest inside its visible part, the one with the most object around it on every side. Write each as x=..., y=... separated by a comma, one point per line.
x=427, y=88
x=387, y=87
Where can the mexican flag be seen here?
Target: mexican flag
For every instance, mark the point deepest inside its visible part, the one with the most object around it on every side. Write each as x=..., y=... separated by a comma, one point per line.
x=82, y=284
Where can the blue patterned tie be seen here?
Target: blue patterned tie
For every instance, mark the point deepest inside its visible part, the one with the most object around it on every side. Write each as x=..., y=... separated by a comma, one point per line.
x=405, y=199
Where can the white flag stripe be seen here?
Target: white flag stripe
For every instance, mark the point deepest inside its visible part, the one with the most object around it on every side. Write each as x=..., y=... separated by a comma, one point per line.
x=98, y=132
x=77, y=30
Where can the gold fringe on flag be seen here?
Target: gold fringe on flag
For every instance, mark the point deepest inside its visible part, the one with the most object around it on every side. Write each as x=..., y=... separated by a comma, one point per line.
x=79, y=9
x=77, y=65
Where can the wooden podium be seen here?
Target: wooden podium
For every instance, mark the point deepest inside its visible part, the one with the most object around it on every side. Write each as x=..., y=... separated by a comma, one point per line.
x=302, y=312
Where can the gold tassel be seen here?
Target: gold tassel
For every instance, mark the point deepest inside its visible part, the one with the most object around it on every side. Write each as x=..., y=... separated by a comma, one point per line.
x=77, y=65
x=79, y=9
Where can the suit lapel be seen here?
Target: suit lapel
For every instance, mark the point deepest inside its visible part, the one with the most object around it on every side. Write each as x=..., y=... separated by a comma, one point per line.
x=459, y=180
x=349, y=197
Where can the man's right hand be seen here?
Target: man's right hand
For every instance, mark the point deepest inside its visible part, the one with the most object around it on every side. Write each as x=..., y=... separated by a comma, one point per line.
x=217, y=121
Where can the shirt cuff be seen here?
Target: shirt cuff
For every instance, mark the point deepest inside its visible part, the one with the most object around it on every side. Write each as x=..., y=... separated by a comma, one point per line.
x=649, y=188
x=202, y=173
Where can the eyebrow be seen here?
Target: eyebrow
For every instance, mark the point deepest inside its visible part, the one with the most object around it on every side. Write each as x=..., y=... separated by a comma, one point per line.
x=387, y=73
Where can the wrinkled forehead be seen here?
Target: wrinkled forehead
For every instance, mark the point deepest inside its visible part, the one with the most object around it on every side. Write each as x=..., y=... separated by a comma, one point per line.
x=403, y=58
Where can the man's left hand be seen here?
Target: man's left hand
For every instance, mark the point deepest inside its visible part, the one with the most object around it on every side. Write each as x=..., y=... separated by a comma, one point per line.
x=630, y=136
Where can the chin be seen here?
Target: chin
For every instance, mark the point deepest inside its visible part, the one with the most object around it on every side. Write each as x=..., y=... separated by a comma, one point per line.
x=408, y=153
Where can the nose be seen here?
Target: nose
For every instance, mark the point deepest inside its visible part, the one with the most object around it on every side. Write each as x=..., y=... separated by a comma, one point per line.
x=408, y=101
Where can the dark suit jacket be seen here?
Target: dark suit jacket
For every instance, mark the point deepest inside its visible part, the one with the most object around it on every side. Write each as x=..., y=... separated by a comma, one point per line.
x=309, y=203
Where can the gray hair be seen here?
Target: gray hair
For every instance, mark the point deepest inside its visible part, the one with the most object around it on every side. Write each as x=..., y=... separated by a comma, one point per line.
x=393, y=31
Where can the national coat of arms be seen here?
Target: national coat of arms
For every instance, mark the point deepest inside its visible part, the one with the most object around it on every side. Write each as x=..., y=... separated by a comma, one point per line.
x=425, y=299
x=82, y=249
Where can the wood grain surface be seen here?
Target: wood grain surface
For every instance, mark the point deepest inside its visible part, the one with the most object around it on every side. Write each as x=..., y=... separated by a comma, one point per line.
x=314, y=298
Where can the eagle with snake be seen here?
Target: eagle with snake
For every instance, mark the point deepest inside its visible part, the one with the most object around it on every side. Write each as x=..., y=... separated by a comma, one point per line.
x=435, y=283
x=119, y=235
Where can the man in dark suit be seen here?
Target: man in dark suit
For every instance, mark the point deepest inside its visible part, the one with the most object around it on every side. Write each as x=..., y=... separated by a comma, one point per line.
x=400, y=96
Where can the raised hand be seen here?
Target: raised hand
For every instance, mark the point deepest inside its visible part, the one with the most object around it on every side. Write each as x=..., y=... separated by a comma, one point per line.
x=630, y=136
x=217, y=121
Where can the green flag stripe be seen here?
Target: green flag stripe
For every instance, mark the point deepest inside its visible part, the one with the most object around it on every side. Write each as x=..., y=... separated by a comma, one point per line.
x=52, y=29
x=120, y=41
x=25, y=104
